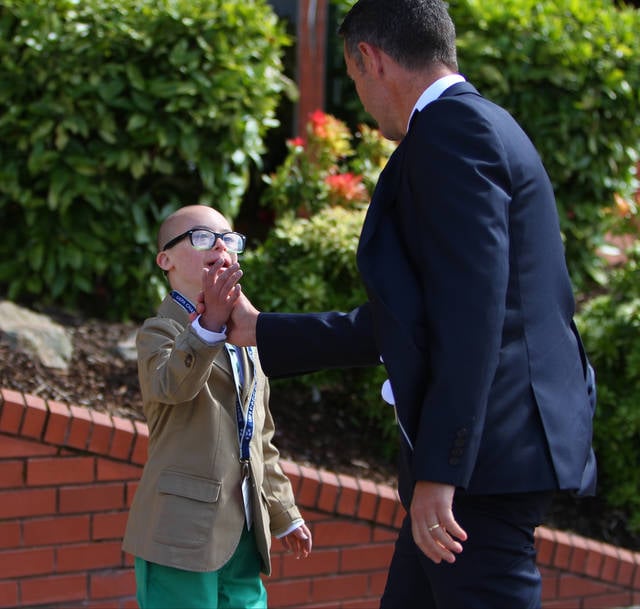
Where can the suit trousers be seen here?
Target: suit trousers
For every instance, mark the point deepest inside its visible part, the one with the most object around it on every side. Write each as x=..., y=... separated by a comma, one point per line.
x=496, y=569
x=237, y=584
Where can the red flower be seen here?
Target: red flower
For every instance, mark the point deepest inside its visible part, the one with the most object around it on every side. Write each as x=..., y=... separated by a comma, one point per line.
x=347, y=186
x=319, y=120
x=318, y=117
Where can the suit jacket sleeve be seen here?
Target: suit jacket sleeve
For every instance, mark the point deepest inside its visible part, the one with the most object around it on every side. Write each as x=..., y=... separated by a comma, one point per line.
x=174, y=363
x=297, y=343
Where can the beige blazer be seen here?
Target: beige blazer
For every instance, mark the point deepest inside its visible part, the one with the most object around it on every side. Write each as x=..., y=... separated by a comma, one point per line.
x=188, y=509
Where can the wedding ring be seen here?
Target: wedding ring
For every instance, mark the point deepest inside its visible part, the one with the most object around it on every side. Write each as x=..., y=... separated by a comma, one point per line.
x=433, y=527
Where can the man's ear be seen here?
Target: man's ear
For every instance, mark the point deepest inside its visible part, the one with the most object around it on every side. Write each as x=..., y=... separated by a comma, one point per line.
x=371, y=58
x=163, y=260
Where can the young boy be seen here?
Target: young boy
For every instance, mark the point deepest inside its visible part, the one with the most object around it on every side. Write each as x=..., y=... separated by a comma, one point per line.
x=212, y=491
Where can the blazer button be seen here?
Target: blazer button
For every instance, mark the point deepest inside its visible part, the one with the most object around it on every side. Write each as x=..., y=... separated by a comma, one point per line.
x=454, y=461
x=188, y=360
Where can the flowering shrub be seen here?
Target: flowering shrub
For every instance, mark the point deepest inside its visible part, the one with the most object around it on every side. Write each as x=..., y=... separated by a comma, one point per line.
x=319, y=195
x=330, y=167
x=308, y=260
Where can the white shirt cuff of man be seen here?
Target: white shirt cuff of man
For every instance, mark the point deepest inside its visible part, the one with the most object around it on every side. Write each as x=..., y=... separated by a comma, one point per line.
x=387, y=393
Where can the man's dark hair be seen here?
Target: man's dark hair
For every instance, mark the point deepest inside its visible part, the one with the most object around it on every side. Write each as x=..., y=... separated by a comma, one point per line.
x=415, y=33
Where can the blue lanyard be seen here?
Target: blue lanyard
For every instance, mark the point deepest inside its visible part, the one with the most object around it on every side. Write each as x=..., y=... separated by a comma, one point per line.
x=245, y=426
x=182, y=301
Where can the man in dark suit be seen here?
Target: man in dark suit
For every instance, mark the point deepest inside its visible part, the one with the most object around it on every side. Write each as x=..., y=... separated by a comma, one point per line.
x=470, y=308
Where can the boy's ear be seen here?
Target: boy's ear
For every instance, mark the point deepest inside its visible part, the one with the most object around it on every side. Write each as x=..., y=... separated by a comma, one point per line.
x=163, y=260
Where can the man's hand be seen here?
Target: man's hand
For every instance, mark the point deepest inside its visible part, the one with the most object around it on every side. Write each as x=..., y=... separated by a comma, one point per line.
x=220, y=291
x=241, y=326
x=432, y=523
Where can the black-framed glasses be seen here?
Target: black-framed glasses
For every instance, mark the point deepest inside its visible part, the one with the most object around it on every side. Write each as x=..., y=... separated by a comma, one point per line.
x=205, y=239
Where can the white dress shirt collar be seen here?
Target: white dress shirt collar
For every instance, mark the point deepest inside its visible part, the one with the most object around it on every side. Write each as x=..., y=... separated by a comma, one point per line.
x=433, y=91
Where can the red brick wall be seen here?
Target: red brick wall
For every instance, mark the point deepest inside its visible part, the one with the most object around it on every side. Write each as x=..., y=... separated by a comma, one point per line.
x=67, y=476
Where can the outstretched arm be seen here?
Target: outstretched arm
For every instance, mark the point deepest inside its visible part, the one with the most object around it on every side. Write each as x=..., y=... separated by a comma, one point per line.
x=297, y=343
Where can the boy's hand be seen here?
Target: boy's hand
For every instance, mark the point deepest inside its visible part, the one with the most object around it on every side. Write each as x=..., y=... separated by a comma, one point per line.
x=298, y=541
x=220, y=291
x=199, y=306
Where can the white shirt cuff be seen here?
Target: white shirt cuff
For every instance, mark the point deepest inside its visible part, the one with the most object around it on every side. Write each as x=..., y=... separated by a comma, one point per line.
x=208, y=336
x=298, y=522
x=387, y=393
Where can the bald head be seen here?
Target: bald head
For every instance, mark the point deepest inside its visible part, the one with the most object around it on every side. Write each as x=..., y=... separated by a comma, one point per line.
x=189, y=217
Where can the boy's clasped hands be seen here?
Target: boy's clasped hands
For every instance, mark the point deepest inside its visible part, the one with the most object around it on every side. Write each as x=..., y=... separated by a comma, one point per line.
x=220, y=291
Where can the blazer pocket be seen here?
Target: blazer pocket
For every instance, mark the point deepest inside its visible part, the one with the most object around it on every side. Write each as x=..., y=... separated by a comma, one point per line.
x=186, y=509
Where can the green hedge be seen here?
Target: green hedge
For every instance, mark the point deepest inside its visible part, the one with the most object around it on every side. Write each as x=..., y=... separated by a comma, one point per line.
x=610, y=325
x=112, y=114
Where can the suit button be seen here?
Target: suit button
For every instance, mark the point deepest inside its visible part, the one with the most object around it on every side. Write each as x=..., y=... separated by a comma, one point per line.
x=460, y=442
x=454, y=461
x=188, y=360
x=462, y=433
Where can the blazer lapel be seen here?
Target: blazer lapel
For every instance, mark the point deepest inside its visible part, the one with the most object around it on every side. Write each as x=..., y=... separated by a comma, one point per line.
x=249, y=372
x=383, y=196
x=223, y=361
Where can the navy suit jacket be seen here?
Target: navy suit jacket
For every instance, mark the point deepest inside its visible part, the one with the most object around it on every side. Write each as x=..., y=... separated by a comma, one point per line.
x=470, y=307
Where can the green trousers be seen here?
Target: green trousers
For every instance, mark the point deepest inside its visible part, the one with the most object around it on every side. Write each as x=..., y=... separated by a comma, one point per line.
x=237, y=585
